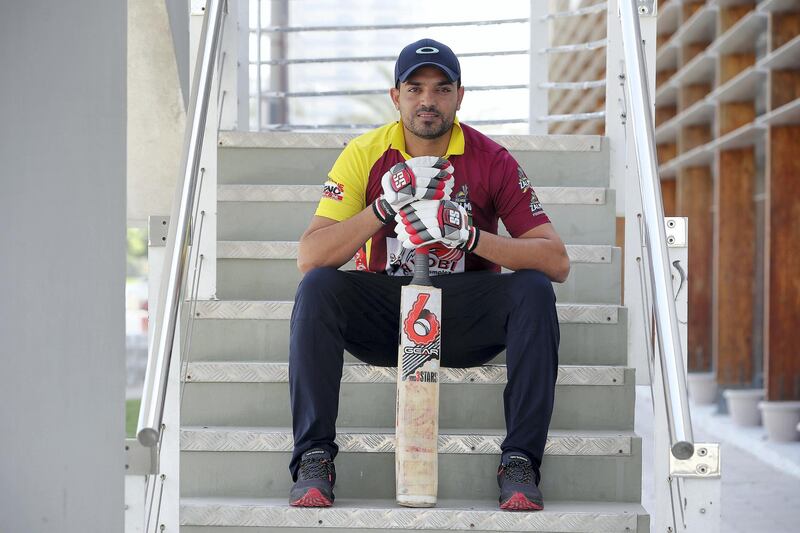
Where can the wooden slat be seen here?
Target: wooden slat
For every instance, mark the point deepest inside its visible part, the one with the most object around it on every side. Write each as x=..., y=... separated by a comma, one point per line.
x=666, y=152
x=782, y=343
x=668, y=189
x=728, y=16
x=694, y=193
x=692, y=49
x=664, y=75
x=690, y=94
x=664, y=113
x=735, y=114
x=693, y=136
x=735, y=237
x=785, y=27
x=785, y=87
x=732, y=64
x=689, y=9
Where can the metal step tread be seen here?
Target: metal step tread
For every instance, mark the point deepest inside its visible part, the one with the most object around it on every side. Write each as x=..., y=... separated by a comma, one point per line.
x=278, y=372
x=521, y=143
x=282, y=310
x=578, y=253
x=561, y=517
x=382, y=440
x=313, y=193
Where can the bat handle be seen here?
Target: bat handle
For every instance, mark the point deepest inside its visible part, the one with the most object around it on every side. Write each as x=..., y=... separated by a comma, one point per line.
x=422, y=274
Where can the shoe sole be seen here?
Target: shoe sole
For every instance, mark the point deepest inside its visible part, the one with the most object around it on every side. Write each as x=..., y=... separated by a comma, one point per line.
x=312, y=498
x=518, y=502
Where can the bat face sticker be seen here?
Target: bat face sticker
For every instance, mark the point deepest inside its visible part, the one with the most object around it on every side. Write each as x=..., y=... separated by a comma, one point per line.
x=421, y=327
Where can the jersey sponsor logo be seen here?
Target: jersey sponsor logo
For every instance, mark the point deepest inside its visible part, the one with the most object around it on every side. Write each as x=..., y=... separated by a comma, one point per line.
x=536, y=206
x=421, y=327
x=441, y=260
x=462, y=199
x=524, y=182
x=333, y=190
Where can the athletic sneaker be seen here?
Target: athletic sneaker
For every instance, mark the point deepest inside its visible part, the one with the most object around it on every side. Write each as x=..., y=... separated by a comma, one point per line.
x=519, y=480
x=315, y=479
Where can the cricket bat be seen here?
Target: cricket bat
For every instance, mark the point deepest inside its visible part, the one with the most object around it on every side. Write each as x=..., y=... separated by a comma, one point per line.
x=417, y=429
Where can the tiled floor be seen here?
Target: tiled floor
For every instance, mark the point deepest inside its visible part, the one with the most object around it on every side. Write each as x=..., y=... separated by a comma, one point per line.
x=757, y=496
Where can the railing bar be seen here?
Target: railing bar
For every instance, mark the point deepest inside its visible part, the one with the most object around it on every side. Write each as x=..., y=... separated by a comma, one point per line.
x=190, y=331
x=365, y=59
x=595, y=115
x=364, y=92
x=572, y=84
x=588, y=10
x=160, y=499
x=291, y=29
x=258, y=68
x=592, y=45
x=290, y=127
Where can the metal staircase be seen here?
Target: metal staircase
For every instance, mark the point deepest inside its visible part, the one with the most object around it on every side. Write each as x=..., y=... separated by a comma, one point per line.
x=235, y=436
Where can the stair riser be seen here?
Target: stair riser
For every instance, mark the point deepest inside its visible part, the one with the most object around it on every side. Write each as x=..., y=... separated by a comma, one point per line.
x=277, y=279
x=371, y=475
x=475, y=406
x=286, y=221
x=311, y=166
x=268, y=340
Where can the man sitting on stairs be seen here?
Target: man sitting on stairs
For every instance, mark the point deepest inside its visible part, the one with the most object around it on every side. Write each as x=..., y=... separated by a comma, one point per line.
x=484, y=311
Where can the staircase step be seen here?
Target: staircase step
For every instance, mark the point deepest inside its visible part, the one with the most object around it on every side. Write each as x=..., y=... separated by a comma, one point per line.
x=477, y=405
x=306, y=158
x=275, y=515
x=242, y=339
x=253, y=462
x=260, y=372
x=268, y=269
x=283, y=212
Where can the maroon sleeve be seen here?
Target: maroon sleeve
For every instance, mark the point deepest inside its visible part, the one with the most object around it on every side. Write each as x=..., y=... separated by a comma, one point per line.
x=514, y=198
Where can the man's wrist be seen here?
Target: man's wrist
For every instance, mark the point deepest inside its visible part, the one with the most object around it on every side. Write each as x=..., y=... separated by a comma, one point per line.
x=383, y=210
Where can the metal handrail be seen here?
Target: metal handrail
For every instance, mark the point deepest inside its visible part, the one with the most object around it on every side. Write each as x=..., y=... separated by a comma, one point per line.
x=670, y=356
x=159, y=356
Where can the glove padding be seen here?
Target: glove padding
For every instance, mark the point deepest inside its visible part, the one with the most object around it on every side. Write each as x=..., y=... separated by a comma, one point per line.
x=419, y=178
x=427, y=222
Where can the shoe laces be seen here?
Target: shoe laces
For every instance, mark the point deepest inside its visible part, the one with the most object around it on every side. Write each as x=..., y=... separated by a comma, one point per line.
x=519, y=471
x=316, y=468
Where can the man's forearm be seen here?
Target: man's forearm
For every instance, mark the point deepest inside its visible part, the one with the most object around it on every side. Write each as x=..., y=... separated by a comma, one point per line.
x=337, y=243
x=544, y=255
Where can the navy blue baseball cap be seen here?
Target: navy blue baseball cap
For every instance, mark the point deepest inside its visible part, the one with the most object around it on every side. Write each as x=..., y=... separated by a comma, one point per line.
x=426, y=52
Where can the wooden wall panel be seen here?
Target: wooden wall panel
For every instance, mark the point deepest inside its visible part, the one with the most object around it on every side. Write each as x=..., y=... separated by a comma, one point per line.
x=664, y=113
x=693, y=195
x=785, y=87
x=664, y=75
x=691, y=50
x=734, y=269
x=782, y=342
x=666, y=152
x=735, y=114
x=668, y=188
x=785, y=27
x=732, y=64
x=689, y=94
x=728, y=16
x=693, y=136
x=689, y=9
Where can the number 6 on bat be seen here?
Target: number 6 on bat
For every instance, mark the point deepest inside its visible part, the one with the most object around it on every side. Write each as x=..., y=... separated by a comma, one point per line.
x=417, y=431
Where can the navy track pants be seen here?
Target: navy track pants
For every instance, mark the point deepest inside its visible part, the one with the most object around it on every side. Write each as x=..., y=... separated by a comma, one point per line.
x=483, y=312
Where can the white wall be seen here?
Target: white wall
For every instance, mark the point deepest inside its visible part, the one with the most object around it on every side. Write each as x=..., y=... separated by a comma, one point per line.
x=62, y=266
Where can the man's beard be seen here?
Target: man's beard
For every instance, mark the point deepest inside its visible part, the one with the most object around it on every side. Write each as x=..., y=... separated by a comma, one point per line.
x=429, y=132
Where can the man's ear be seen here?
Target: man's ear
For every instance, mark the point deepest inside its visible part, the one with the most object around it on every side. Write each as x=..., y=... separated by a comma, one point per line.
x=460, y=97
x=394, y=94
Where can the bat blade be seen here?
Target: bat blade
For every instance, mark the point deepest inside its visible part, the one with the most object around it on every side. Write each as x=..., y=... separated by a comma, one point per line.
x=417, y=431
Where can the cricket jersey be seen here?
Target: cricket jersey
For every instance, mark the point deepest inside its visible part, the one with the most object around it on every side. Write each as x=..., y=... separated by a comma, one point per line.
x=488, y=183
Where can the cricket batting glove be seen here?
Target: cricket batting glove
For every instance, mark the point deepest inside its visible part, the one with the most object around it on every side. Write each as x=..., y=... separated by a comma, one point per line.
x=429, y=221
x=420, y=178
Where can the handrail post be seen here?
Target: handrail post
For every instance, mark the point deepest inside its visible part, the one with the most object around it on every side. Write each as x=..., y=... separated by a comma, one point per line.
x=539, y=67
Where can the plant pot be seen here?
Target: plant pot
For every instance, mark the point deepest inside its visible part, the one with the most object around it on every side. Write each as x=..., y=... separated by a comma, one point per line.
x=703, y=387
x=781, y=420
x=743, y=405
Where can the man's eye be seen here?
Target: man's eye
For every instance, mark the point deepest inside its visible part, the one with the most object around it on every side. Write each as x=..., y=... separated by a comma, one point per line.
x=444, y=89
x=413, y=89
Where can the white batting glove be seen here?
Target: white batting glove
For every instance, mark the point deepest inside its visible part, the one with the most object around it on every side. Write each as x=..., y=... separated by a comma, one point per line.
x=420, y=178
x=430, y=221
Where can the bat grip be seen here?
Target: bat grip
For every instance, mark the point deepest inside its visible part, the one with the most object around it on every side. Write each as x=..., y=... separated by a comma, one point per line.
x=422, y=274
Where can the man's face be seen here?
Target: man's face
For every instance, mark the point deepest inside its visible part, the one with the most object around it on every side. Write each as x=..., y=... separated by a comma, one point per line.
x=428, y=102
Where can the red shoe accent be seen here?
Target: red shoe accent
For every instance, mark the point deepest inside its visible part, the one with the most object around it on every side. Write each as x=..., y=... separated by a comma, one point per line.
x=518, y=502
x=312, y=498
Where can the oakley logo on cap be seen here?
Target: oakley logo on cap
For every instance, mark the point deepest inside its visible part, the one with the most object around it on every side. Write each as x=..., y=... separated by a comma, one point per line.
x=427, y=50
